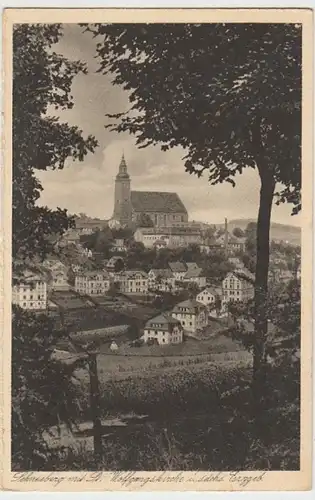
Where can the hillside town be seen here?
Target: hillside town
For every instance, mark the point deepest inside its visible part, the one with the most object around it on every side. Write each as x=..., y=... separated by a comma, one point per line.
x=155, y=255
x=97, y=262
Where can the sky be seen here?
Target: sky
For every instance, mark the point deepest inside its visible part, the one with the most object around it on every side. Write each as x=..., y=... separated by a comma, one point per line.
x=88, y=186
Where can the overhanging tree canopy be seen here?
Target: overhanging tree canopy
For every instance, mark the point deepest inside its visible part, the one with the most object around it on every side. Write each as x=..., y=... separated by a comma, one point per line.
x=230, y=95
x=42, y=81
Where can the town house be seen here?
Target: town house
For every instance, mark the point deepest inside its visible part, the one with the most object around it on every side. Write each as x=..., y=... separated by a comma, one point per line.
x=31, y=292
x=164, y=329
x=92, y=283
x=207, y=297
x=237, y=287
x=133, y=282
x=119, y=246
x=149, y=236
x=59, y=275
x=194, y=274
x=161, y=279
x=192, y=314
x=178, y=269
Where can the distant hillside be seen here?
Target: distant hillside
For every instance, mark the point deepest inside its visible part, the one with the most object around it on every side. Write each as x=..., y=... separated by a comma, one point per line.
x=284, y=232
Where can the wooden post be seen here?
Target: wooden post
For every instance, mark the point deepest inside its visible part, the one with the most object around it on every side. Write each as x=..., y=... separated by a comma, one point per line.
x=95, y=407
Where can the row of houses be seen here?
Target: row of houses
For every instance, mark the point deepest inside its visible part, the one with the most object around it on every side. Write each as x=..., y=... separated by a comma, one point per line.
x=192, y=316
x=32, y=291
x=169, y=279
x=188, y=317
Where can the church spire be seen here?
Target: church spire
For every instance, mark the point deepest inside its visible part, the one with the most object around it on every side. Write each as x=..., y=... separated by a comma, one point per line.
x=123, y=166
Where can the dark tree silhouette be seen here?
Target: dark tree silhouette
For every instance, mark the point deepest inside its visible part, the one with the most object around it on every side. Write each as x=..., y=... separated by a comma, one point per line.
x=238, y=232
x=42, y=81
x=145, y=220
x=230, y=95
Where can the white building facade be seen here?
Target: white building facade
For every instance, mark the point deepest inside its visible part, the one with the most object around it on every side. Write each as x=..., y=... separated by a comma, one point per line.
x=164, y=329
x=31, y=294
x=92, y=283
x=133, y=282
x=237, y=288
x=192, y=314
x=59, y=275
x=206, y=297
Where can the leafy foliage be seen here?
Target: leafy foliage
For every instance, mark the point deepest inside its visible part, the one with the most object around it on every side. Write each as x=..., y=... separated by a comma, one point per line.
x=238, y=232
x=42, y=82
x=284, y=331
x=100, y=241
x=44, y=392
x=230, y=96
x=206, y=87
x=145, y=220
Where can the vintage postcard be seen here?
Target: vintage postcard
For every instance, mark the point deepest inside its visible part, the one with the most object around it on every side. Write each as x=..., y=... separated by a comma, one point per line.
x=157, y=241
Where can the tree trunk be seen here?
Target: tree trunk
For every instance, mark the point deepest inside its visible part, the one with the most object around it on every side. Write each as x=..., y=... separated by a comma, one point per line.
x=261, y=290
x=95, y=409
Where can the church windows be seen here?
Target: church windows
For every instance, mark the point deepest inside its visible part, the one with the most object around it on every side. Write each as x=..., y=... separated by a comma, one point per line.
x=155, y=219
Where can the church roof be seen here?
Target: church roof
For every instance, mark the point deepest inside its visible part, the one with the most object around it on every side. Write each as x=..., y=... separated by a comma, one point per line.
x=150, y=201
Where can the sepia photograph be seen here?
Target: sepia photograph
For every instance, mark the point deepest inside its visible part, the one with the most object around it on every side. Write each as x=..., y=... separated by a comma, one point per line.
x=156, y=249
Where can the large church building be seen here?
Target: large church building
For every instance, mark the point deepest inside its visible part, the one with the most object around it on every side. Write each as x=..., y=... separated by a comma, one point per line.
x=163, y=208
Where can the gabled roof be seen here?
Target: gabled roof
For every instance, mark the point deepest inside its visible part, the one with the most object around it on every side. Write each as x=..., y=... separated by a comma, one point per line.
x=150, y=201
x=191, y=304
x=177, y=267
x=192, y=265
x=163, y=273
x=130, y=274
x=193, y=272
x=94, y=274
x=245, y=274
x=29, y=277
x=164, y=320
x=242, y=274
x=214, y=291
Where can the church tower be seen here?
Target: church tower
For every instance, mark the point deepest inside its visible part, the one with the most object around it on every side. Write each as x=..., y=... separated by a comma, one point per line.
x=122, y=203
